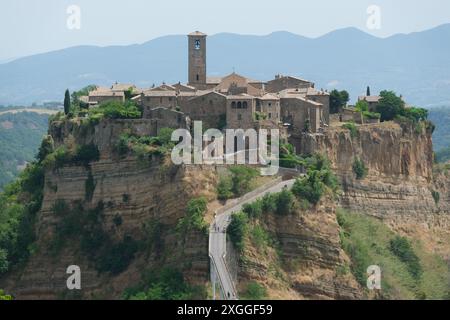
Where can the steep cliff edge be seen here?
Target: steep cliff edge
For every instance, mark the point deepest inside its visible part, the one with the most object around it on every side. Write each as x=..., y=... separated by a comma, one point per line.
x=131, y=199
x=399, y=186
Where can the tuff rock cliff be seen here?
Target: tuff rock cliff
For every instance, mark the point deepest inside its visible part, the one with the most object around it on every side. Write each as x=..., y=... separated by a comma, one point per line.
x=398, y=189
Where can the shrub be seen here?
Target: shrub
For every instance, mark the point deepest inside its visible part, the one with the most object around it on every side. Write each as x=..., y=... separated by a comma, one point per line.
x=253, y=210
x=85, y=154
x=285, y=202
x=194, y=218
x=89, y=187
x=269, y=203
x=237, y=230
x=116, y=257
x=436, y=196
x=115, y=110
x=352, y=128
x=165, y=284
x=401, y=247
x=310, y=187
x=254, y=291
x=359, y=169
x=224, y=188
x=241, y=179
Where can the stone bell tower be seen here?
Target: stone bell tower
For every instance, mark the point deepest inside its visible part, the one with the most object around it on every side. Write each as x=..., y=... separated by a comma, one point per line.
x=197, y=60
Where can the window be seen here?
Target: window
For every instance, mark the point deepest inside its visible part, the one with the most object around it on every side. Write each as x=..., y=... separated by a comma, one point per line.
x=244, y=105
x=198, y=78
x=233, y=105
x=170, y=98
x=239, y=105
x=270, y=115
x=239, y=116
x=270, y=104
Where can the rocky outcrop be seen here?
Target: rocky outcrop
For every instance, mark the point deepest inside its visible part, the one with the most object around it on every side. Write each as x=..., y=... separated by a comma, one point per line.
x=132, y=194
x=308, y=263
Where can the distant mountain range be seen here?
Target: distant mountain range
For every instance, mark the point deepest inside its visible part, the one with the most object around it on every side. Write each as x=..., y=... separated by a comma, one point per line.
x=416, y=65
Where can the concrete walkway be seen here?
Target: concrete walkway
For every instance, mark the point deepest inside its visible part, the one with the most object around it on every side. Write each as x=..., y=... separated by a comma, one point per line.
x=217, y=238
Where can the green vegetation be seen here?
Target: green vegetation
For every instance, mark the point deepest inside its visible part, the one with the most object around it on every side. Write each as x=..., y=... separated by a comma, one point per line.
x=114, y=110
x=238, y=229
x=359, y=169
x=165, y=284
x=254, y=291
x=288, y=158
x=67, y=103
x=436, y=196
x=338, y=100
x=19, y=204
x=82, y=155
x=4, y=296
x=401, y=247
x=441, y=136
x=393, y=107
x=363, y=107
x=85, y=227
x=144, y=147
x=20, y=136
x=352, y=128
x=194, y=218
x=409, y=271
x=238, y=183
x=319, y=179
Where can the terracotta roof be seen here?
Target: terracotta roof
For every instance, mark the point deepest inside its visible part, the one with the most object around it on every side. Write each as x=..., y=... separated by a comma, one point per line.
x=197, y=33
x=269, y=96
x=213, y=80
x=241, y=96
x=104, y=93
x=160, y=93
x=369, y=98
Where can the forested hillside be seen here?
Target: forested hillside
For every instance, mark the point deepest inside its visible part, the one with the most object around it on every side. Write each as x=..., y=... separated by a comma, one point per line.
x=20, y=136
x=441, y=137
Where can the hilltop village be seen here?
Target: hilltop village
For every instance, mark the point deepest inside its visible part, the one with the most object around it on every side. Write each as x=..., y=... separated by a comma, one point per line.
x=288, y=103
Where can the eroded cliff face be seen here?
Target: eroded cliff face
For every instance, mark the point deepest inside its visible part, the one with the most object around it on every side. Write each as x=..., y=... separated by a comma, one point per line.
x=399, y=184
x=307, y=261
x=133, y=194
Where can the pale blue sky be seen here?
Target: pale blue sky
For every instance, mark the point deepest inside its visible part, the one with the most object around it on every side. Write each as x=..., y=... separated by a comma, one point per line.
x=34, y=26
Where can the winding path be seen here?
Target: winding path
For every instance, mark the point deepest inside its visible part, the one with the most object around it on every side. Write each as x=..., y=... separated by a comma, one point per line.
x=217, y=237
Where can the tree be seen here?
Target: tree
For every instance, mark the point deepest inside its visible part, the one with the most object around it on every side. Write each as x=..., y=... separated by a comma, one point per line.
x=390, y=105
x=338, y=100
x=362, y=106
x=368, y=91
x=67, y=102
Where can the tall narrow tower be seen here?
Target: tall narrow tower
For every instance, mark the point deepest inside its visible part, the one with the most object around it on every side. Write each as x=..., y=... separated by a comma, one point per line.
x=197, y=59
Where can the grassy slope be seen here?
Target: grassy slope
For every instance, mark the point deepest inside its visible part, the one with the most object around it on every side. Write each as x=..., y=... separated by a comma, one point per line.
x=366, y=241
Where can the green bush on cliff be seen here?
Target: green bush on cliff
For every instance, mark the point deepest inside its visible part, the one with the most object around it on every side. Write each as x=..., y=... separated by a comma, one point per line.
x=359, y=169
x=143, y=147
x=165, y=284
x=115, y=110
x=254, y=291
x=401, y=247
x=194, y=217
x=352, y=128
x=238, y=229
x=238, y=183
x=318, y=180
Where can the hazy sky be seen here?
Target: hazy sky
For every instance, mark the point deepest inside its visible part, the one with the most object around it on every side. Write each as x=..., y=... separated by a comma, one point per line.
x=34, y=26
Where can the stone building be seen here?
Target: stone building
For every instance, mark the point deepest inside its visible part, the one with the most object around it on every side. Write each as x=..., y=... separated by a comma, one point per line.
x=233, y=101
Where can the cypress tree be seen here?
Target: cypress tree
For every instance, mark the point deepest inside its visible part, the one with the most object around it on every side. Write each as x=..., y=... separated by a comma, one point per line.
x=67, y=102
x=368, y=91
